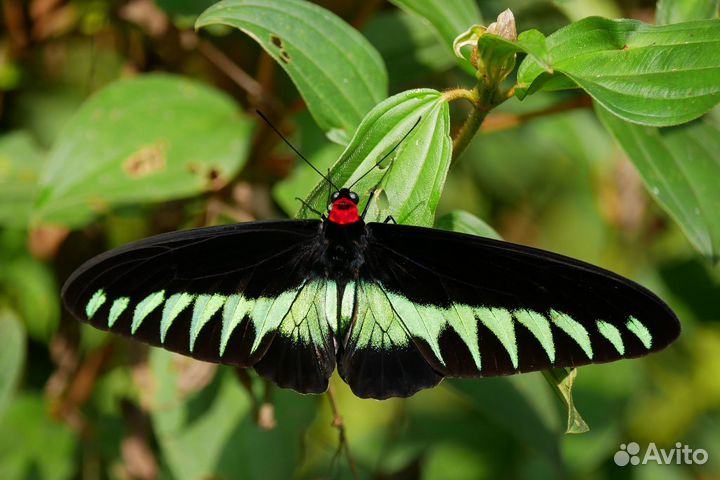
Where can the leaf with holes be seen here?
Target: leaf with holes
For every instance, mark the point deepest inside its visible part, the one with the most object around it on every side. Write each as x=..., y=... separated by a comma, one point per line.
x=146, y=139
x=336, y=70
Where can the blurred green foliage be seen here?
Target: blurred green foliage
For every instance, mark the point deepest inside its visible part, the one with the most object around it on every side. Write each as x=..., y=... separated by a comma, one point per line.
x=118, y=120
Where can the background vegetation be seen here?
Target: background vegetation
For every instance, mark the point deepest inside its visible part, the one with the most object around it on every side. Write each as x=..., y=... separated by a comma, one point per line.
x=118, y=120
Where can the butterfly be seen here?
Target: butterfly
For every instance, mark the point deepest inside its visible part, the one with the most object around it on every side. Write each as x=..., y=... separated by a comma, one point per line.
x=395, y=308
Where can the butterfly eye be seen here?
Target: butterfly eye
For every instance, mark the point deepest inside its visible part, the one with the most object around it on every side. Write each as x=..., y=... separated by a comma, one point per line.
x=354, y=197
x=335, y=196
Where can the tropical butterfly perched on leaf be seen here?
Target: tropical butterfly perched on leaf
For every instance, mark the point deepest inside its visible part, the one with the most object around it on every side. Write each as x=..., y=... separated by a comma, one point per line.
x=396, y=308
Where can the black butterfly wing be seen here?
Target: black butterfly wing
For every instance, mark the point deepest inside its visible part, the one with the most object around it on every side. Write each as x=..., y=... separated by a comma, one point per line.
x=241, y=295
x=449, y=304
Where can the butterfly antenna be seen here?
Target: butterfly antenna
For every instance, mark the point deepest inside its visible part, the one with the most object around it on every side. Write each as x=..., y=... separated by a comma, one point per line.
x=387, y=154
x=327, y=179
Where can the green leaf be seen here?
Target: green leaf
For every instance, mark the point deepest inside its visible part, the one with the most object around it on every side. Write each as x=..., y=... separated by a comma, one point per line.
x=413, y=51
x=336, y=70
x=147, y=139
x=680, y=167
x=534, y=43
x=212, y=433
x=409, y=182
x=561, y=380
x=33, y=445
x=675, y=11
x=20, y=162
x=192, y=446
x=519, y=405
x=651, y=75
x=12, y=354
x=465, y=222
x=449, y=19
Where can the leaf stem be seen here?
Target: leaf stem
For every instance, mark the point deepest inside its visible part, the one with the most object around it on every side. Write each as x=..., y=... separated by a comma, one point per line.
x=459, y=93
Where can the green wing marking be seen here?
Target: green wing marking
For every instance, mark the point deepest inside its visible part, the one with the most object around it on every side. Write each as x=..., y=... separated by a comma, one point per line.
x=377, y=320
x=204, y=308
x=299, y=318
x=96, y=301
x=308, y=321
x=574, y=329
x=611, y=332
x=640, y=330
x=347, y=304
x=421, y=321
x=145, y=307
x=386, y=325
x=174, y=305
x=117, y=309
x=539, y=326
x=499, y=321
x=377, y=325
x=235, y=310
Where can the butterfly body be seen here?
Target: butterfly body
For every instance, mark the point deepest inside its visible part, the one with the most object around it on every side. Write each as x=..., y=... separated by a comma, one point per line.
x=395, y=308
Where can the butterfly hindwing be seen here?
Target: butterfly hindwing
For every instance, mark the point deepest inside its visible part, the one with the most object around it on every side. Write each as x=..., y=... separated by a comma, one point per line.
x=237, y=294
x=479, y=307
x=381, y=358
x=302, y=353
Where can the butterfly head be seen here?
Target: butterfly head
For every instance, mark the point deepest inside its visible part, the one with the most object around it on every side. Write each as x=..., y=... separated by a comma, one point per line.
x=344, y=207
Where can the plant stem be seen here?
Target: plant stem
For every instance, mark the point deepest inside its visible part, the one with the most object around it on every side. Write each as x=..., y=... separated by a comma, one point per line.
x=480, y=108
x=338, y=423
x=468, y=131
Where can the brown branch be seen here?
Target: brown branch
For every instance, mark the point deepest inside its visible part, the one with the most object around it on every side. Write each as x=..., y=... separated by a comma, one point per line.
x=503, y=121
x=337, y=422
x=244, y=80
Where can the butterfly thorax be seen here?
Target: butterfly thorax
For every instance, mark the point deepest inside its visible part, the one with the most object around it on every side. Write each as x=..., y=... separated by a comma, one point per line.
x=343, y=238
x=343, y=249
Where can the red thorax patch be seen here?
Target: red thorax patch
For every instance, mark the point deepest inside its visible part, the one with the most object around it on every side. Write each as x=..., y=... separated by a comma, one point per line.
x=344, y=211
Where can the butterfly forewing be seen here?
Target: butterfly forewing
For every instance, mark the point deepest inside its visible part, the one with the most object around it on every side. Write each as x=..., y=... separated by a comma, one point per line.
x=469, y=306
x=232, y=294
